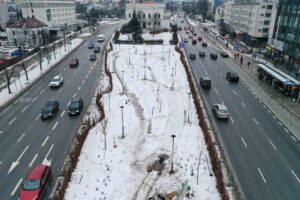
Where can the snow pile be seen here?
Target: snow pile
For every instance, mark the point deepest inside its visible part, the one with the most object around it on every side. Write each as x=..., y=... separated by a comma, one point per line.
x=166, y=36
x=150, y=88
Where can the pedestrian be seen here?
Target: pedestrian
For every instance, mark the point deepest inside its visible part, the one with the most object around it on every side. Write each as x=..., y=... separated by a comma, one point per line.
x=238, y=54
x=234, y=56
x=249, y=64
x=241, y=60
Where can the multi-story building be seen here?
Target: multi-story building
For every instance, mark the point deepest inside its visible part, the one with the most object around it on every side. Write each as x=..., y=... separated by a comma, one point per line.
x=284, y=45
x=8, y=12
x=252, y=19
x=150, y=14
x=26, y=32
x=59, y=15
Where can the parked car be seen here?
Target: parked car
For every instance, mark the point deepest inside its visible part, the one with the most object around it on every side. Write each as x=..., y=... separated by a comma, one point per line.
x=187, y=32
x=93, y=57
x=35, y=183
x=194, y=41
x=75, y=106
x=57, y=81
x=49, y=109
x=213, y=56
x=220, y=111
x=96, y=49
x=205, y=82
x=91, y=46
x=232, y=76
x=194, y=33
x=224, y=54
x=199, y=38
x=204, y=44
x=192, y=56
x=190, y=36
x=74, y=62
x=201, y=53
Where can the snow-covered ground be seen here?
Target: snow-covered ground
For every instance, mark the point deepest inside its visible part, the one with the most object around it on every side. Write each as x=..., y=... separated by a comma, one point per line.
x=156, y=105
x=20, y=83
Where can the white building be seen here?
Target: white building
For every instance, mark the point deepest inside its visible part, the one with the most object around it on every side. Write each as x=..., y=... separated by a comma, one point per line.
x=150, y=14
x=57, y=14
x=26, y=32
x=253, y=19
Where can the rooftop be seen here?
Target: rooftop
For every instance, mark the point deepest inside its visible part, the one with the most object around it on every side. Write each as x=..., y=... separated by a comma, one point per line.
x=27, y=23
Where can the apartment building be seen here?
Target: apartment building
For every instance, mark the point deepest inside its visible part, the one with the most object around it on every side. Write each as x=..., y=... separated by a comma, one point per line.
x=252, y=20
x=150, y=14
x=59, y=15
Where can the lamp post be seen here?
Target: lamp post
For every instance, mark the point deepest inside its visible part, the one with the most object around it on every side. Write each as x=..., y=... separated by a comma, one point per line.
x=173, y=78
x=122, y=82
x=123, y=135
x=189, y=107
x=172, y=167
x=145, y=64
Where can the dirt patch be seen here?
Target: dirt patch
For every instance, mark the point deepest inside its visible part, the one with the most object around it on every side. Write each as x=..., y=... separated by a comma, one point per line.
x=158, y=165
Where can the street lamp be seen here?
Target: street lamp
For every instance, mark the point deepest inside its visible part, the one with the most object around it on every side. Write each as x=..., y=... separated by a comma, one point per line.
x=172, y=169
x=173, y=78
x=189, y=107
x=122, y=82
x=123, y=136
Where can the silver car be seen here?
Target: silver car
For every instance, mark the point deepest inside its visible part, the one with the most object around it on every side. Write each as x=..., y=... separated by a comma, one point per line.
x=57, y=81
x=220, y=111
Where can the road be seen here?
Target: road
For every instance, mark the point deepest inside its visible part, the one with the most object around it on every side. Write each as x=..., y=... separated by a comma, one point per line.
x=26, y=140
x=262, y=153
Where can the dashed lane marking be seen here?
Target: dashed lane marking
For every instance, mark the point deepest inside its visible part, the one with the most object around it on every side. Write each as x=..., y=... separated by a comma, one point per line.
x=295, y=176
x=264, y=106
x=244, y=142
x=39, y=115
x=62, y=114
x=216, y=90
x=234, y=92
x=274, y=117
x=231, y=119
x=32, y=161
x=16, y=187
x=74, y=95
x=280, y=123
x=11, y=121
x=45, y=141
x=255, y=121
x=54, y=126
x=273, y=145
x=42, y=91
x=261, y=174
x=21, y=137
x=69, y=103
x=33, y=100
x=294, y=138
x=78, y=88
x=269, y=111
x=1, y=132
x=86, y=76
x=24, y=108
x=243, y=104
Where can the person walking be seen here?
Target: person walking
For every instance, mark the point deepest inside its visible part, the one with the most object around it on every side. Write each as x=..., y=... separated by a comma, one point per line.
x=241, y=60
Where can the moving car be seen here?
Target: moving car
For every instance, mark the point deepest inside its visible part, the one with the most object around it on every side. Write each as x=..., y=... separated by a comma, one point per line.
x=190, y=36
x=199, y=38
x=195, y=33
x=220, y=111
x=194, y=41
x=232, y=76
x=91, y=46
x=201, y=53
x=224, y=54
x=204, y=44
x=35, y=183
x=100, y=38
x=75, y=106
x=213, y=56
x=74, y=63
x=57, y=81
x=49, y=109
x=205, y=82
x=192, y=56
x=93, y=57
x=96, y=49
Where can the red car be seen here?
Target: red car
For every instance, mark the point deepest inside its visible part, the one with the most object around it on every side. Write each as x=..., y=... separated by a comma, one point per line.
x=199, y=38
x=74, y=63
x=35, y=183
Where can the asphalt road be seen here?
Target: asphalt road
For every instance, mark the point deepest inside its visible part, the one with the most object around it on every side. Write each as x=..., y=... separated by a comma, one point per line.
x=26, y=140
x=263, y=156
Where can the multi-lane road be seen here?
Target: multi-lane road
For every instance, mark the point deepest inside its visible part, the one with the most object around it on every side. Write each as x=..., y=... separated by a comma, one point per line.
x=26, y=140
x=264, y=155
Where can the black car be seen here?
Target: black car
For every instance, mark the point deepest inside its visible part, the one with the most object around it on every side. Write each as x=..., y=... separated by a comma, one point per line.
x=232, y=76
x=204, y=44
x=97, y=50
x=49, y=109
x=93, y=57
x=75, y=106
x=192, y=56
x=194, y=41
x=224, y=54
x=201, y=53
x=213, y=56
x=205, y=82
x=91, y=46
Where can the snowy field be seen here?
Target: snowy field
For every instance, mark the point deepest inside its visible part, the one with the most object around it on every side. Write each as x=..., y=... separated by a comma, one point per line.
x=20, y=83
x=156, y=105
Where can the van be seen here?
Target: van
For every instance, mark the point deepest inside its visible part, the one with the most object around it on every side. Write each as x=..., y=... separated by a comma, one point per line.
x=205, y=82
x=100, y=38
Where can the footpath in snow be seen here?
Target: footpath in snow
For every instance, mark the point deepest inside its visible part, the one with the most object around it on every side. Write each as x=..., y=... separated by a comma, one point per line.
x=151, y=95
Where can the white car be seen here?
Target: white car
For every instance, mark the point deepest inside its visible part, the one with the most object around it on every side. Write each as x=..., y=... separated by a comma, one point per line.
x=57, y=81
x=100, y=38
x=220, y=111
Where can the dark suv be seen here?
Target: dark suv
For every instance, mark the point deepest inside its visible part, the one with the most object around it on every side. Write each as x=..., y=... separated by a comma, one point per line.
x=192, y=56
x=232, y=76
x=50, y=109
x=74, y=62
x=213, y=56
x=96, y=49
x=75, y=106
x=205, y=82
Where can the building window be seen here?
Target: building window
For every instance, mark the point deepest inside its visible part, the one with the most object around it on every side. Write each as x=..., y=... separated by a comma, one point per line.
x=263, y=7
x=14, y=33
x=158, y=23
x=154, y=23
x=269, y=7
x=129, y=15
x=149, y=16
x=144, y=16
x=155, y=15
x=25, y=32
x=139, y=16
x=266, y=22
x=265, y=30
x=149, y=23
x=158, y=15
x=268, y=15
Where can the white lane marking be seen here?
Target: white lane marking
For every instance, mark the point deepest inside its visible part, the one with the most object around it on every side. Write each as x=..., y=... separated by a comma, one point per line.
x=226, y=82
x=231, y=119
x=294, y=138
x=46, y=139
x=255, y=121
x=1, y=132
x=45, y=159
x=261, y=174
x=274, y=117
x=24, y=108
x=33, y=100
x=234, y=92
x=280, y=123
x=39, y=115
x=216, y=90
x=295, y=176
x=273, y=145
x=269, y=111
x=42, y=91
x=69, y=103
x=286, y=130
x=62, y=114
x=68, y=80
x=74, y=95
x=14, y=164
x=0, y=162
x=11, y=121
x=243, y=105
x=33, y=159
x=90, y=71
x=86, y=76
x=65, y=69
x=244, y=142
x=21, y=137
x=16, y=187
x=82, y=82
x=78, y=88
x=54, y=125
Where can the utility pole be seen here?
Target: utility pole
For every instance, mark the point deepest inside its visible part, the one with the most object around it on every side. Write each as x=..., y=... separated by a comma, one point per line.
x=172, y=87
x=189, y=108
x=122, y=82
x=172, y=167
x=145, y=64
x=123, y=135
